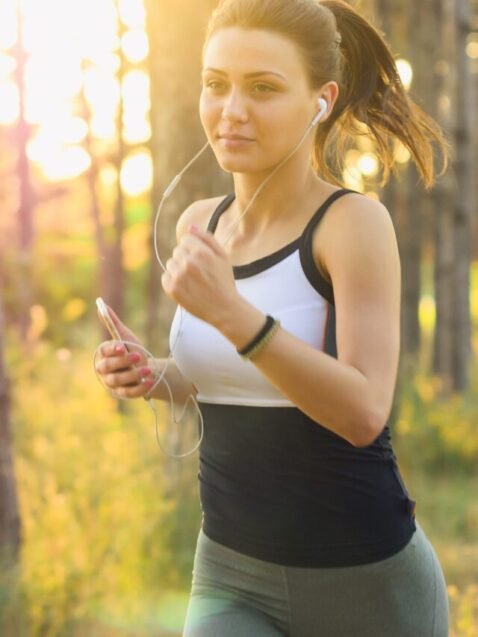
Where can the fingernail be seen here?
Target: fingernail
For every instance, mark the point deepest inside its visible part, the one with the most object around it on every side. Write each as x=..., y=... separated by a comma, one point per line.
x=148, y=383
x=119, y=349
x=145, y=371
x=135, y=358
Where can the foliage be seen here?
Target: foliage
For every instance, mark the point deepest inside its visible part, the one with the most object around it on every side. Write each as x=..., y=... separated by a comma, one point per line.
x=435, y=433
x=99, y=520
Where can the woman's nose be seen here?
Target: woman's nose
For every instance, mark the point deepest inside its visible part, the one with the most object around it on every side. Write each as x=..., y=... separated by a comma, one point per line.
x=234, y=107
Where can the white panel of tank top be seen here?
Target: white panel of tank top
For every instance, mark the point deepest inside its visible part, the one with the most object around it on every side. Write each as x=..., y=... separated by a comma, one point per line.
x=205, y=357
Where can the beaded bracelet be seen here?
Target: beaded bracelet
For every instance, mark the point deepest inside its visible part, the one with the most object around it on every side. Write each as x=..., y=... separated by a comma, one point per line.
x=261, y=339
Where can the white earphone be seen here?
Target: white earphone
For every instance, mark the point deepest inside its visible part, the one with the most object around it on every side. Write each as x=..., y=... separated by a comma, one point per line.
x=323, y=106
x=322, y=110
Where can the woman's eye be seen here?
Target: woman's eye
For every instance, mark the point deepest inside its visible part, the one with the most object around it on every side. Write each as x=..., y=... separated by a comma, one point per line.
x=214, y=85
x=262, y=88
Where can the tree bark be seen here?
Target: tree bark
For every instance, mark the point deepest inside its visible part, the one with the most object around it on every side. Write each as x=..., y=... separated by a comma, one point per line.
x=9, y=512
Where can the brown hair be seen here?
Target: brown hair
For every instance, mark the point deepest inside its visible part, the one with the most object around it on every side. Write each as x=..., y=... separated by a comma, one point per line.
x=338, y=44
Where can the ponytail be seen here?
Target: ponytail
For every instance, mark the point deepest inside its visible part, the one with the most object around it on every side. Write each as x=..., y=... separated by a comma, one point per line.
x=373, y=101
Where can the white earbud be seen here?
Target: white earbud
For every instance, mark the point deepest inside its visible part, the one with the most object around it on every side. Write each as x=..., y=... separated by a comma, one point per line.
x=322, y=110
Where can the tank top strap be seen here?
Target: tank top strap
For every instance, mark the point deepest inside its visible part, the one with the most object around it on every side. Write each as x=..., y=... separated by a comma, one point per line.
x=321, y=285
x=222, y=207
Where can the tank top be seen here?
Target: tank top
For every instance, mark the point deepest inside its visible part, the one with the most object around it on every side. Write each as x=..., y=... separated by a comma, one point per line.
x=273, y=483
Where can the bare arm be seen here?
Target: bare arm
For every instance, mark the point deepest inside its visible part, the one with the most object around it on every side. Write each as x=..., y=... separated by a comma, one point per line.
x=350, y=395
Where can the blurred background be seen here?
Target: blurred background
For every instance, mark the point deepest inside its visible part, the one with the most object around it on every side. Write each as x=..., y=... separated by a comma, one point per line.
x=98, y=111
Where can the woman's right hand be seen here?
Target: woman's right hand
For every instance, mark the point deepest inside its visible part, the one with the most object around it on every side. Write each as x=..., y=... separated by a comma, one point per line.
x=128, y=374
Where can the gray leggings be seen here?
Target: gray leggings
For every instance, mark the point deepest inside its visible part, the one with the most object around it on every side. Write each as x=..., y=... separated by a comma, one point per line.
x=234, y=595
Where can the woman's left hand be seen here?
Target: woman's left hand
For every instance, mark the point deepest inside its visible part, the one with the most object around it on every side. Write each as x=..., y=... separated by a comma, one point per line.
x=200, y=278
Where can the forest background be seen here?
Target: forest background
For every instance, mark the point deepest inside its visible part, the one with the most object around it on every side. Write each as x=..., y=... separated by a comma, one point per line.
x=98, y=112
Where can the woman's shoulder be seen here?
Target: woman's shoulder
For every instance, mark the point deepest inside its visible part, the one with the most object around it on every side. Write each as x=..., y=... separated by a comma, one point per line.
x=356, y=219
x=199, y=213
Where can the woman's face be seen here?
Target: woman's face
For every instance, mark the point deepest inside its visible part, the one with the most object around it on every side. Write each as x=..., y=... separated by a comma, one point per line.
x=256, y=102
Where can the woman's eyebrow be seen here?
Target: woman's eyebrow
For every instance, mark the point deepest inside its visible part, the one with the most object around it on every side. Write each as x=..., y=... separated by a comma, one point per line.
x=247, y=75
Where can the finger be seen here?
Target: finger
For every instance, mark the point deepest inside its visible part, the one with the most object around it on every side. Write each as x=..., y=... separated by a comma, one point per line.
x=173, y=267
x=115, y=362
x=129, y=378
x=181, y=251
x=207, y=238
x=138, y=391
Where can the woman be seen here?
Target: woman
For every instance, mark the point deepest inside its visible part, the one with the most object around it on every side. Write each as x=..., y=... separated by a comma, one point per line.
x=291, y=340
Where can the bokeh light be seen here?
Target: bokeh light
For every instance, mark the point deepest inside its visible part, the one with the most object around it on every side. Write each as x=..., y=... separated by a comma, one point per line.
x=135, y=45
x=65, y=162
x=132, y=13
x=368, y=164
x=137, y=173
x=405, y=71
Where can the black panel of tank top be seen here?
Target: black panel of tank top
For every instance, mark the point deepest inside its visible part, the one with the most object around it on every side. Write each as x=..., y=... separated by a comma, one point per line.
x=223, y=206
x=303, y=242
x=330, y=345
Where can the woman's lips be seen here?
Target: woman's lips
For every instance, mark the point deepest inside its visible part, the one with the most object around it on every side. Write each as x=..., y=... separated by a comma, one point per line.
x=234, y=141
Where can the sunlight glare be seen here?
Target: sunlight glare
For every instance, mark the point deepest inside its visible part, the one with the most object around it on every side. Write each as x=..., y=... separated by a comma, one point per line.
x=8, y=25
x=67, y=163
x=102, y=91
x=132, y=13
x=135, y=45
x=9, y=103
x=103, y=127
x=107, y=61
x=137, y=173
x=136, y=102
x=7, y=66
x=59, y=76
x=54, y=134
x=136, y=130
x=135, y=91
x=72, y=48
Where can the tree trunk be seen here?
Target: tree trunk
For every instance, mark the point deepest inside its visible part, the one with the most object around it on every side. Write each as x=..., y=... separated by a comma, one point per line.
x=26, y=195
x=9, y=513
x=465, y=172
x=453, y=231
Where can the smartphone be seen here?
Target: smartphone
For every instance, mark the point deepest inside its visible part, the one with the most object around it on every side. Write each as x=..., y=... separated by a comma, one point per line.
x=106, y=318
x=112, y=329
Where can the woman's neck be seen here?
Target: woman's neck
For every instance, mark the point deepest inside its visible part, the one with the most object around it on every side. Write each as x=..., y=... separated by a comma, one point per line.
x=290, y=189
